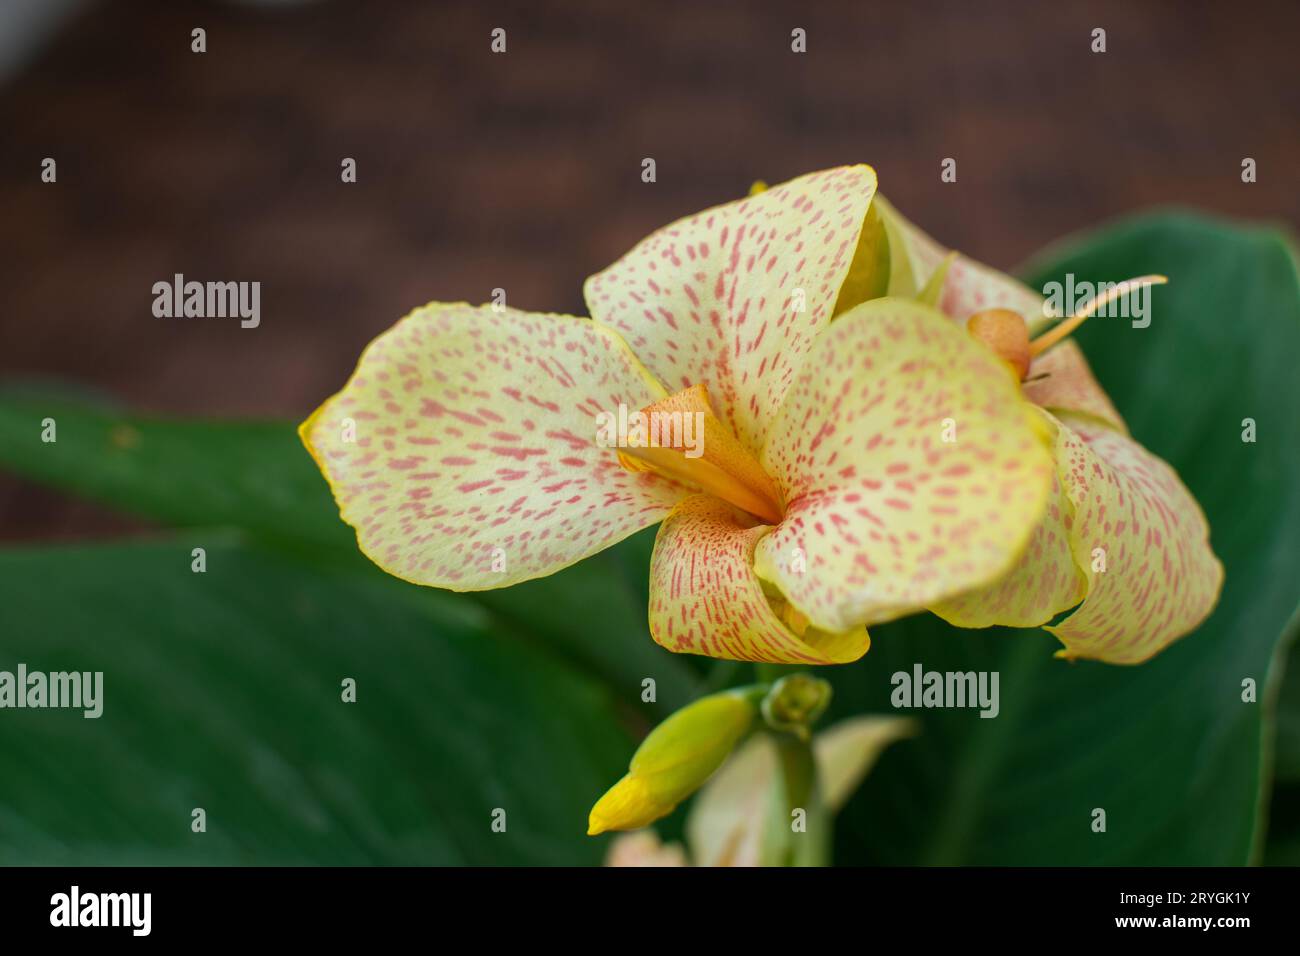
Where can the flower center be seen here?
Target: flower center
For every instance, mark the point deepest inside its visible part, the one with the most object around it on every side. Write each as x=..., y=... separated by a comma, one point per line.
x=708, y=456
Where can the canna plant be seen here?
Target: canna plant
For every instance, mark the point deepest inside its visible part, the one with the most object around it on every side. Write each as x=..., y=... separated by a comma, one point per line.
x=888, y=427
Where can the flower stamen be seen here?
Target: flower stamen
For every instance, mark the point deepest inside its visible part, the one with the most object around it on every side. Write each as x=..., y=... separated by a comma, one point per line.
x=1007, y=333
x=1051, y=337
x=724, y=467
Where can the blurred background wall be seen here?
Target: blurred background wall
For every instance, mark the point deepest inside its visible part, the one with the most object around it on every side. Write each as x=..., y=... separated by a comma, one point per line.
x=523, y=170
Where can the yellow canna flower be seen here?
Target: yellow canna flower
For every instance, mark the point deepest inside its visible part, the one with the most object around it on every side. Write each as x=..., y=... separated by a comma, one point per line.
x=675, y=759
x=824, y=495
x=1121, y=533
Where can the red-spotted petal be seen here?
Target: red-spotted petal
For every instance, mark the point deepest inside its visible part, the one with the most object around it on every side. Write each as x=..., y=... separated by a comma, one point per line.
x=734, y=296
x=705, y=599
x=1142, y=541
x=969, y=286
x=463, y=449
x=912, y=468
x=1044, y=582
x=1061, y=381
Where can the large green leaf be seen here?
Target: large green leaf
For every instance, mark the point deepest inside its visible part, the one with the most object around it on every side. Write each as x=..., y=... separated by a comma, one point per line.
x=183, y=473
x=1168, y=748
x=257, y=477
x=222, y=690
x=1283, y=846
x=518, y=696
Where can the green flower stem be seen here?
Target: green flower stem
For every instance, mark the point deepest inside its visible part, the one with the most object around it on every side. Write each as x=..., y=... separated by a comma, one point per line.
x=771, y=673
x=798, y=831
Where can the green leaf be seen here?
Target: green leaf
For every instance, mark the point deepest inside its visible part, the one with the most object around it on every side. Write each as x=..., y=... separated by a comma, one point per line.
x=250, y=475
x=1283, y=846
x=257, y=477
x=597, y=611
x=1286, y=765
x=222, y=690
x=586, y=626
x=1167, y=749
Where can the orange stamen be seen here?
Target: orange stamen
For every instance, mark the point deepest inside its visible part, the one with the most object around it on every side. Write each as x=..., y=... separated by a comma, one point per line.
x=724, y=468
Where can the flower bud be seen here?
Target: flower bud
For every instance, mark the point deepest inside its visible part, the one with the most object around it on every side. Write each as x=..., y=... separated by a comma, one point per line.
x=675, y=759
x=795, y=702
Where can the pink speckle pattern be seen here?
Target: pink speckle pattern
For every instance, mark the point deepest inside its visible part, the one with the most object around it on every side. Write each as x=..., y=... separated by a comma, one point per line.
x=475, y=463
x=713, y=299
x=705, y=599
x=1044, y=582
x=887, y=516
x=1069, y=385
x=1161, y=578
x=970, y=287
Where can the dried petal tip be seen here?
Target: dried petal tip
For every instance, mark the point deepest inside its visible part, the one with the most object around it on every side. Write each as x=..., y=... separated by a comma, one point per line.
x=1006, y=333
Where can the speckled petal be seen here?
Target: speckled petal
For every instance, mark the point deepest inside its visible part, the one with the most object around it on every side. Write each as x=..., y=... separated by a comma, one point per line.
x=1161, y=579
x=734, y=296
x=474, y=462
x=705, y=599
x=1044, y=582
x=969, y=286
x=1061, y=381
x=884, y=513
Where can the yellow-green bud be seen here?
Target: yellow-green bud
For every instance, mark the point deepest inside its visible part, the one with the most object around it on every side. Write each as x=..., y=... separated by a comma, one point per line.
x=675, y=760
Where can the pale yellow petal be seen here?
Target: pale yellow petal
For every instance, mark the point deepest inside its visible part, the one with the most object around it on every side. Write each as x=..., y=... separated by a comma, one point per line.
x=912, y=468
x=1044, y=581
x=464, y=451
x=1124, y=536
x=733, y=297
x=1142, y=541
x=1060, y=380
x=705, y=598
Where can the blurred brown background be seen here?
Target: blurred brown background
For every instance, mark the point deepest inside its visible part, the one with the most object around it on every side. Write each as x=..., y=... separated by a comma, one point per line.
x=522, y=170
